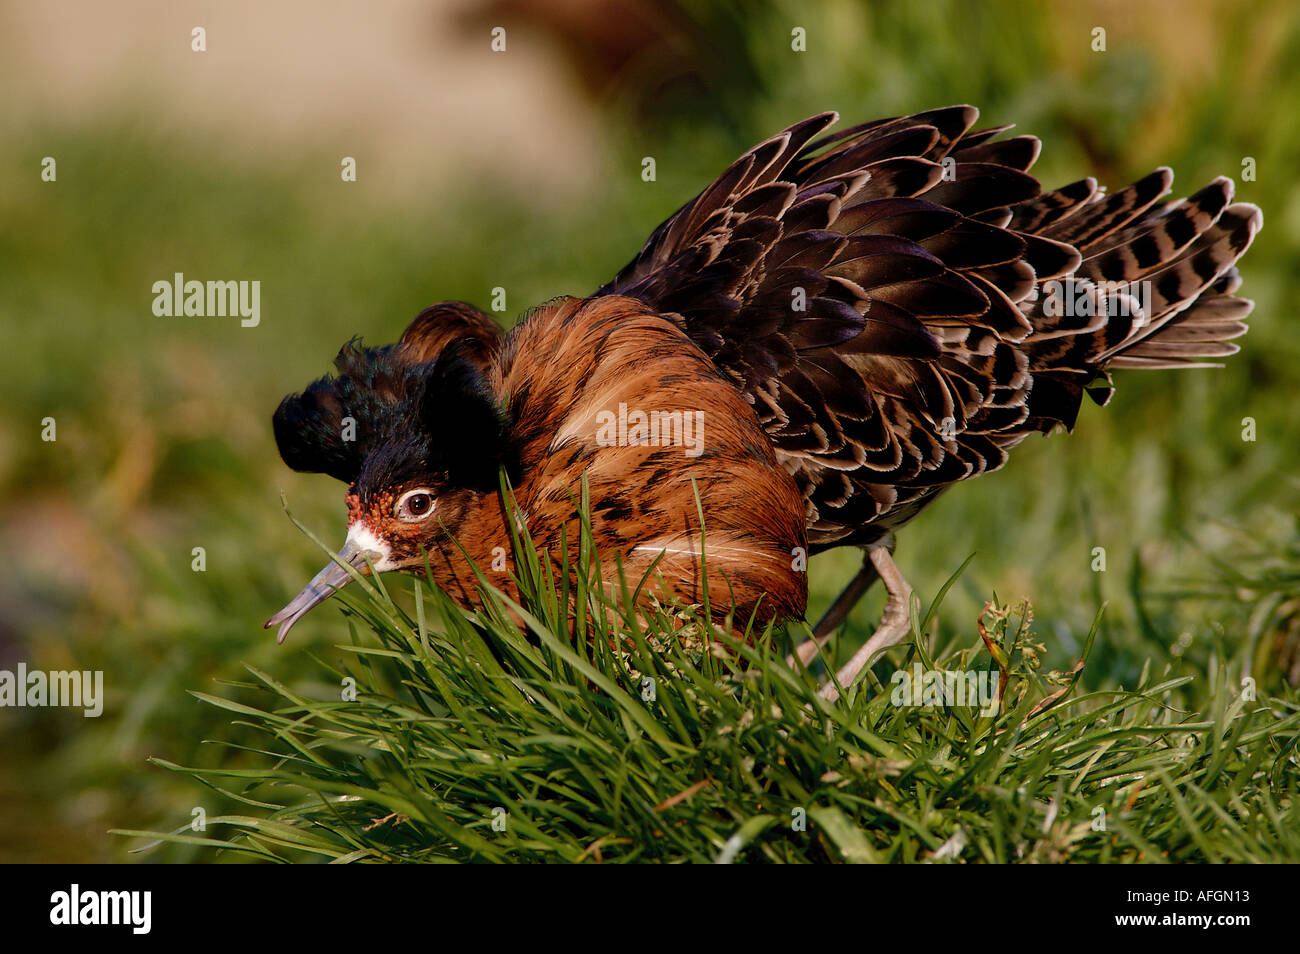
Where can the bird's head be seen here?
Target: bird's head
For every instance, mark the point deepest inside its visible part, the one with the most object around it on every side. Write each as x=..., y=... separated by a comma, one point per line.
x=419, y=443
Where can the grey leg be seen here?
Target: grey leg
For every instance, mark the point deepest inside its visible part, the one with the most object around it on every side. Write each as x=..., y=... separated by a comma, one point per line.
x=839, y=610
x=895, y=622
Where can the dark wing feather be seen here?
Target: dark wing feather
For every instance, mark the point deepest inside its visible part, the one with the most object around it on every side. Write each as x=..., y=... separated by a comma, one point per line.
x=879, y=295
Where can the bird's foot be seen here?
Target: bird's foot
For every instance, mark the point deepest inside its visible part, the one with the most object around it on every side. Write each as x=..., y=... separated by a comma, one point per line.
x=895, y=623
x=839, y=611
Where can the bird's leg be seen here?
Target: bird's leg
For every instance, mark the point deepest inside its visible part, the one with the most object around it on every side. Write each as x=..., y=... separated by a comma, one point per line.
x=895, y=622
x=839, y=611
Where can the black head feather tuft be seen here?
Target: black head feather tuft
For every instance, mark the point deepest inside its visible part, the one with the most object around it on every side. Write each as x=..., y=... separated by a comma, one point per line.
x=332, y=426
x=381, y=422
x=449, y=433
x=463, y=419
x=381, y=399
x=309, y=432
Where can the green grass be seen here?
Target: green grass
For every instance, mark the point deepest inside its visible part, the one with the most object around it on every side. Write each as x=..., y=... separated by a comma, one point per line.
x=454, y=736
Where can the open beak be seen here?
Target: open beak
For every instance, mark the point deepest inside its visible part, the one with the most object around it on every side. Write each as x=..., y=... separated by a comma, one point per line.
x=322, y=586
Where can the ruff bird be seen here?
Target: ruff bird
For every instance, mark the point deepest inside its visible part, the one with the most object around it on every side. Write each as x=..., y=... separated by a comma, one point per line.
x=863, y=318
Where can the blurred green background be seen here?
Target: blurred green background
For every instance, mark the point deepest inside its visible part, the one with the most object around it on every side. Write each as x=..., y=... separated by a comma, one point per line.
x=522, y=170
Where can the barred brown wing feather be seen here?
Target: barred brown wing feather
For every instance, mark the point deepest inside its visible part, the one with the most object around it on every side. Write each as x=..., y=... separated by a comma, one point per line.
x=879, y=296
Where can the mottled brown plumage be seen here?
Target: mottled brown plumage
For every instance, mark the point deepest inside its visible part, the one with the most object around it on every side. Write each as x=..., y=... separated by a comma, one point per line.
x=864, y=318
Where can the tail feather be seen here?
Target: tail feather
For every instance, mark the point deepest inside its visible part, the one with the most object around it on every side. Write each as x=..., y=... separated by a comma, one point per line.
x=1205, y=330
x=1158, y=237
x=1189, y=279
x=1153, y=288
x=1107, y=213
x=1046, y=210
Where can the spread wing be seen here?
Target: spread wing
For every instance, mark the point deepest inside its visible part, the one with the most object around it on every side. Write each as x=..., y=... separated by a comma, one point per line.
x=880, y=296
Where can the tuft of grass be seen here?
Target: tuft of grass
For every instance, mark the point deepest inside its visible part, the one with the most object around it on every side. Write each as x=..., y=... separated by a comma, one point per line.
x=496, y=736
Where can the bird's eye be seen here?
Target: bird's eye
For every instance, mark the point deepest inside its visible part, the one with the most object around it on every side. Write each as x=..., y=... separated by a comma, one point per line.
x=414, y=505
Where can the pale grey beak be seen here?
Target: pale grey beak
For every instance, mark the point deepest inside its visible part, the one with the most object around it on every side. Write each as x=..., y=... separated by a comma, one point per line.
x=322, y=586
